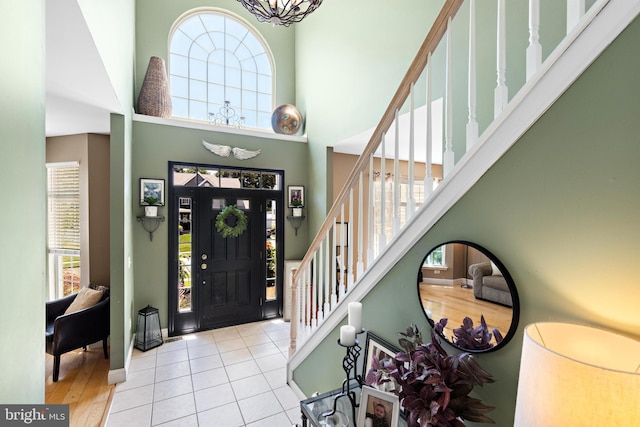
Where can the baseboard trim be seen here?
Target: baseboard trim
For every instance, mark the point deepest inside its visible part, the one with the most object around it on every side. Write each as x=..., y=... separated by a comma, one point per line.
x=120, y=375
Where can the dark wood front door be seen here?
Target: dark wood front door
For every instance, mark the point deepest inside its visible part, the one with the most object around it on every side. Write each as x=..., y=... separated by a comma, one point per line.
x=229, y=274
x=217, y=281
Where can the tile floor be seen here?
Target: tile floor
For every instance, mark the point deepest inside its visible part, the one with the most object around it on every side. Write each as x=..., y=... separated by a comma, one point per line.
x=230, y=377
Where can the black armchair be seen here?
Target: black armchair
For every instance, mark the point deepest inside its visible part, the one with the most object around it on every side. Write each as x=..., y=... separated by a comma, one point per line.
x=66, y=332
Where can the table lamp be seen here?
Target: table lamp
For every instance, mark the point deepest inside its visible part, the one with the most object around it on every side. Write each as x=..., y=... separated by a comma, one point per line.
x=573, y=375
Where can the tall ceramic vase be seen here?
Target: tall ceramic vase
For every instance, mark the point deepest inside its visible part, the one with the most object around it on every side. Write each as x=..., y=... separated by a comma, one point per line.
x=154, y=98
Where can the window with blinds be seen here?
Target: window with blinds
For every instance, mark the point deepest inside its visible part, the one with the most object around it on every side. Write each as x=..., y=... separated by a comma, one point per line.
x=63, y=205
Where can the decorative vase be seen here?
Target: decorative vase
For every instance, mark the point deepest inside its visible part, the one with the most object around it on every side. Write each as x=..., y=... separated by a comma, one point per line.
x=154, y=98
x=296, y=211
x=286, y=119
x=150, y=211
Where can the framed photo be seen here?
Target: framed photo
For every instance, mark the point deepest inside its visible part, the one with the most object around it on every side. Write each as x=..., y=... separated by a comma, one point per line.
x=295, y=196
x=376, y=347
x=378, y=408
x=150, y=187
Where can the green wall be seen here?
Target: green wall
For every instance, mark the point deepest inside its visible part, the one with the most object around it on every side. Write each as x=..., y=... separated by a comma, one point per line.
x=22, y=255
x=559, y=209
x=112, y=29
x=154, y=146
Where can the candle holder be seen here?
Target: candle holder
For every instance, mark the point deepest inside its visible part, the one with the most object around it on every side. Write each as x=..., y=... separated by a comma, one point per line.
x=349, y=362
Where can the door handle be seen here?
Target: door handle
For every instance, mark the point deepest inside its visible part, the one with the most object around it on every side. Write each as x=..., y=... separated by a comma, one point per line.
x=203, y=266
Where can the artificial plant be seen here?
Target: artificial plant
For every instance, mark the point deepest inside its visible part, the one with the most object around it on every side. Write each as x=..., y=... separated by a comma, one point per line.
x=433, y=386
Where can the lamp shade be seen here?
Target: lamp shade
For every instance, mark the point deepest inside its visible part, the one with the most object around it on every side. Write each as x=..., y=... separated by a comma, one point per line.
x=572, y=375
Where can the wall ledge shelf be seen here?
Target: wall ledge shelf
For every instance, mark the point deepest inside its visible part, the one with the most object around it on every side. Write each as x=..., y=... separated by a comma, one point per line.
x=192, y=124
x=296, y=222
x=150, y=223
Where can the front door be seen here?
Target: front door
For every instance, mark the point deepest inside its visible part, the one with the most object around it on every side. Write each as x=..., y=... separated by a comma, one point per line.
x=228, y=270
x=217, y=281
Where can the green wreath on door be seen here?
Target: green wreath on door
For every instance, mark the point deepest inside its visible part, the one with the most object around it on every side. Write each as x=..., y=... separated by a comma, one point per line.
x=225, y=229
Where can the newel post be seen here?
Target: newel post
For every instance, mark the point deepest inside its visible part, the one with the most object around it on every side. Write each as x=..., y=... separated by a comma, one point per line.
x=295, y=312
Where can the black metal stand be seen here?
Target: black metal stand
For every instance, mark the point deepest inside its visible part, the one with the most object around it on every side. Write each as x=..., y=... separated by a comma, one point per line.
x=349, y=363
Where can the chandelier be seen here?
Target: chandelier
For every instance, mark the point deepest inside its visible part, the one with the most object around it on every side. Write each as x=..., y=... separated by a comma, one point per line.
x=281, y=12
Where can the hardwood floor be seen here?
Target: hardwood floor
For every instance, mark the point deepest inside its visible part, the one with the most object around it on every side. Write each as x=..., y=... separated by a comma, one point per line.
x=82, y=384
x=455, y=303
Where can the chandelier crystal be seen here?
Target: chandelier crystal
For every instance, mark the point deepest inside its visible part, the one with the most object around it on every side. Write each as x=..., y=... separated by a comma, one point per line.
x=281, y=12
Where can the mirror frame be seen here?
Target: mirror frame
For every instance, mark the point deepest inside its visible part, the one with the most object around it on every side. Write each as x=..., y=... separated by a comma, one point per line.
x=515, y=315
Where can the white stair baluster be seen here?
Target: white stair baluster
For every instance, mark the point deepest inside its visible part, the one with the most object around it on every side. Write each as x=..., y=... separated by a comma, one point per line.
x=534, y=50
x=360, y=265
x=472, y=124
x=411, y=197
x=332, y=268
x=428, y=173
x=314, y=275
x=327, y=279
x=383, y=196
x=575, y=12
x=501, y=94
x=350, y=279
x=449, y=157
x=372, y=203
x=395, y=225
x=340, y=260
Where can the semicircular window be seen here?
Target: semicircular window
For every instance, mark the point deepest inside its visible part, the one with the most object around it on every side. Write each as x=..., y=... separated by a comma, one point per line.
x=220, y=71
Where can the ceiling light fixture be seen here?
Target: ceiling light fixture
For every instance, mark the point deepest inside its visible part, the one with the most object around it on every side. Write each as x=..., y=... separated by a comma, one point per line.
x=281, y=12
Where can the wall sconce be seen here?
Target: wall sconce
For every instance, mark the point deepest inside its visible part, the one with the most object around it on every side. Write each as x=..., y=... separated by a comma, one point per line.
x=296, y=221
x=577, y=375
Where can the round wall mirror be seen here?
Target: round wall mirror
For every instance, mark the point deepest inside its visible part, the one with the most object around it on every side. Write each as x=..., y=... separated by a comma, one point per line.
x=468, y=297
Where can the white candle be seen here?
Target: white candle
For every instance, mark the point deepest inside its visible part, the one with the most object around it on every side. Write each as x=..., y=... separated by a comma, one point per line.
x=355, y=315
x=347, y=335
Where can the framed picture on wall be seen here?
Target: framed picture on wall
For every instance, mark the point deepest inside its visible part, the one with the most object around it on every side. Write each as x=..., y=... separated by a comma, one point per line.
x=151, y=189
x=295, y=196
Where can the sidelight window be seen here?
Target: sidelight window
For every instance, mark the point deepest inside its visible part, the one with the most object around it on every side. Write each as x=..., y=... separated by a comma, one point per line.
x=184, y=254
x=271, y=257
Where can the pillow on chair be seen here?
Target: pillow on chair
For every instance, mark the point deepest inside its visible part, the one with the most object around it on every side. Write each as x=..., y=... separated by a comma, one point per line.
x=86, y=298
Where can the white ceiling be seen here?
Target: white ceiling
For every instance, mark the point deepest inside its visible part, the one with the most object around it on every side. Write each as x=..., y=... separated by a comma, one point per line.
x=79, y=94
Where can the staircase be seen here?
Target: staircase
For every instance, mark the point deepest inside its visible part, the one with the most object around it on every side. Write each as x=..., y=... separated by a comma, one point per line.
x=398, y=188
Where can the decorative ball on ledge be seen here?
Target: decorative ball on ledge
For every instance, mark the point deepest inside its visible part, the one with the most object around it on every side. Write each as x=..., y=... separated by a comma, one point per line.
x=286, y=119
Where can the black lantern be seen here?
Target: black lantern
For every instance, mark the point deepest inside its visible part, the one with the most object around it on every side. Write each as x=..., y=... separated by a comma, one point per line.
x=148, y=333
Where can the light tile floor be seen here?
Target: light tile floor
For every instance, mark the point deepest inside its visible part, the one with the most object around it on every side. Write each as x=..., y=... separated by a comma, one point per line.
x=230, y=377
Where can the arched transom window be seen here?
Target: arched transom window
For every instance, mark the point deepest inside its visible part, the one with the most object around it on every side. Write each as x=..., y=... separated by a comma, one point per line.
x=220, y=71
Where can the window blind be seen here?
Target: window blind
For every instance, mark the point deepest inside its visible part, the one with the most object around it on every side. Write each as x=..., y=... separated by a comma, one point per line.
x=63, y=202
